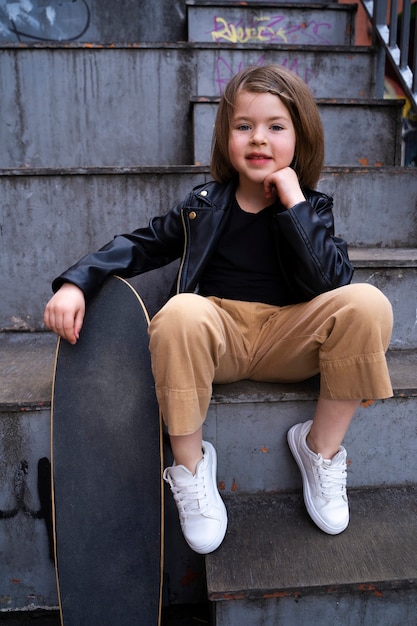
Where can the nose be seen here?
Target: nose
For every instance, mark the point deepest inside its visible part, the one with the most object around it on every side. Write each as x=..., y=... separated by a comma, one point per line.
x=258, y=136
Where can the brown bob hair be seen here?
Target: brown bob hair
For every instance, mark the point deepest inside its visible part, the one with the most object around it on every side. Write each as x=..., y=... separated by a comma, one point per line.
x=297, y=97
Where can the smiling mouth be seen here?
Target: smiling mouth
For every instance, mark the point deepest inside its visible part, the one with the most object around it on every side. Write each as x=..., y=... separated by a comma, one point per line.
x=262, y=157
x=258, y=157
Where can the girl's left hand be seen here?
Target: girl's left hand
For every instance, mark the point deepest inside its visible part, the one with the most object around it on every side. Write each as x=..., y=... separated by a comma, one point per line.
x=284, y=184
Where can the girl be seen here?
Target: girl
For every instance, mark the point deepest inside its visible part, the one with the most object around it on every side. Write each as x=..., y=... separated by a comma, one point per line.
x=262, y=293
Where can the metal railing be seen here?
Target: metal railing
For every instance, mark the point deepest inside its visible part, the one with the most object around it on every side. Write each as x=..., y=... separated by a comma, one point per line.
x=385, y=32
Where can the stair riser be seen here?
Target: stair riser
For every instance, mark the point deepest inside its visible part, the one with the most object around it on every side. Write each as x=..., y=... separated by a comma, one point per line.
x=95, y=21
x=377, y=126
x=330, y=73
x=272, y=24
x=28, y=575
x=255, y=461
x=400, y=287
x=253, y=454
x=371, y=606
x=57, y=219
x=100, y=120
x=98, y=22
x=374, y=207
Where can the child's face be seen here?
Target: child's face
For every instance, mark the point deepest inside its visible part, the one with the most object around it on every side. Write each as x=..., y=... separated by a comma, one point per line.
x=261, y=138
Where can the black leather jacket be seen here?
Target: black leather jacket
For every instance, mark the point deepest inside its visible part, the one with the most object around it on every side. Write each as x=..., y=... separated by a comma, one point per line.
x=312, y=260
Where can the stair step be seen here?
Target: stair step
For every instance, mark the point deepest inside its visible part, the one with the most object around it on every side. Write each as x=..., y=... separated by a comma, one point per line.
x=275, y=566
x=108, y=79
x=267, y=410
x=402, y=365
x=26, y=370
x=376, y=122
x=114, y=200
x=383, y=257
x=272, y=22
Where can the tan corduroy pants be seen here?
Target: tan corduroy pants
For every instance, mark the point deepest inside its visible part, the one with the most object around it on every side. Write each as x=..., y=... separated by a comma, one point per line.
x=194, y=341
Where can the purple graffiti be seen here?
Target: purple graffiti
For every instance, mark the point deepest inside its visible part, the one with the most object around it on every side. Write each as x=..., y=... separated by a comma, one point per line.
x=225, y=70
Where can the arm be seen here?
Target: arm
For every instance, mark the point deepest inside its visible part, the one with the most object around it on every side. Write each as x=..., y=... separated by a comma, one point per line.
x=317, y=259
x=127, y=255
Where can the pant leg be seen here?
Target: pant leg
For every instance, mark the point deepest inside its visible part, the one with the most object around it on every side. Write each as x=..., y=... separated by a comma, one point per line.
x=191, y=340
x=342, y=334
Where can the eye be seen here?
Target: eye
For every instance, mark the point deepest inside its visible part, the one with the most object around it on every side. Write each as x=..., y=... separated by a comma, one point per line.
x=276, y=127
x=243, y=127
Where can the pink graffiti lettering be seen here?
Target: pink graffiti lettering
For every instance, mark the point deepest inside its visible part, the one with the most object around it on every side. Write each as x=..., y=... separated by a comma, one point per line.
x=225, y=71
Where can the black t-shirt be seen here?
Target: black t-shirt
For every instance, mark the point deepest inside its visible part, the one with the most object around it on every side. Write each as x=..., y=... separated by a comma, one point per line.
x=244, y=265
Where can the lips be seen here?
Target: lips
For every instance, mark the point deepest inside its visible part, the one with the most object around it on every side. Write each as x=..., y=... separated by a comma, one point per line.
x=258, y=157
x=255, y=159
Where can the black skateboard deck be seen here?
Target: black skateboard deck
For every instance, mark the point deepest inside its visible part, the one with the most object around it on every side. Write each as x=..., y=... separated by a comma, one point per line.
x=107, y=468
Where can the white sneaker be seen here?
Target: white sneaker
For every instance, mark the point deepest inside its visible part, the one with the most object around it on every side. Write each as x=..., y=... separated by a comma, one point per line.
x=324, y=482
x=203, y=516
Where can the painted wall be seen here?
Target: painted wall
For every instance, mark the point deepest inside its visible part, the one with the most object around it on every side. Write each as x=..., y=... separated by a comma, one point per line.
x=103, y=21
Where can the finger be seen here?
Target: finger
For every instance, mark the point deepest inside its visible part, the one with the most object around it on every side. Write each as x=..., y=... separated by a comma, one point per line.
x=269, y=187
x=79, y=318
x=67, y=329
x=46, y=318
x=50, y=320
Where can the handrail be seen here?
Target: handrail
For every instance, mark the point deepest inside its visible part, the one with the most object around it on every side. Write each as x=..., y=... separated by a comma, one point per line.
x=385, y=36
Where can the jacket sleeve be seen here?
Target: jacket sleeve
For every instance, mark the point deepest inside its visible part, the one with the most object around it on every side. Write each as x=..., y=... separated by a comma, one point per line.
x=318, y=259
x=128, y=255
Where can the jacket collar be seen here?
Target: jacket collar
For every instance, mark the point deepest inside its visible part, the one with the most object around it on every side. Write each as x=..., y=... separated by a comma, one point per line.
x=216, y=194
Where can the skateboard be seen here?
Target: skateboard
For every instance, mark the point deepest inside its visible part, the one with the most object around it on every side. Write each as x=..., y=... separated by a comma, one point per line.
x=106, y=441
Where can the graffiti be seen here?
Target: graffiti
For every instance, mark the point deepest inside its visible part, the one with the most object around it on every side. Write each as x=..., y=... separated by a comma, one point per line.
x=37, y=20
x=44, y=494
x=269, y=29
x=225, y=70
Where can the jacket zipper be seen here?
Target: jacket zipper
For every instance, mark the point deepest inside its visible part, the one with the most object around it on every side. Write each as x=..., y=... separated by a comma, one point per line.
x=184, y=253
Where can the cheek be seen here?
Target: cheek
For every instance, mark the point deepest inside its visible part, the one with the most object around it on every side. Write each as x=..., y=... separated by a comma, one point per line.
x=233, y=150
x=290, y=150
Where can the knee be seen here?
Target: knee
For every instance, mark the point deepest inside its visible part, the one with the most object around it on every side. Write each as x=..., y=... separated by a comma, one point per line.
x=370, y=300
x=370, y=308
x=178, y=315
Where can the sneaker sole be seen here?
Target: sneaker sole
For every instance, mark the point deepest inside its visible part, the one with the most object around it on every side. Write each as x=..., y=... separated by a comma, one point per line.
x=330, y=530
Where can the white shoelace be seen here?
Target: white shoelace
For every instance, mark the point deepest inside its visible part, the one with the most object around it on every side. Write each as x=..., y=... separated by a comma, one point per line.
x=191, y=497
x=332, y=478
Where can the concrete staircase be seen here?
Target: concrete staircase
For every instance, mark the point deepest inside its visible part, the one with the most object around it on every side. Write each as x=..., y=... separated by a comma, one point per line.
x=99, y=136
